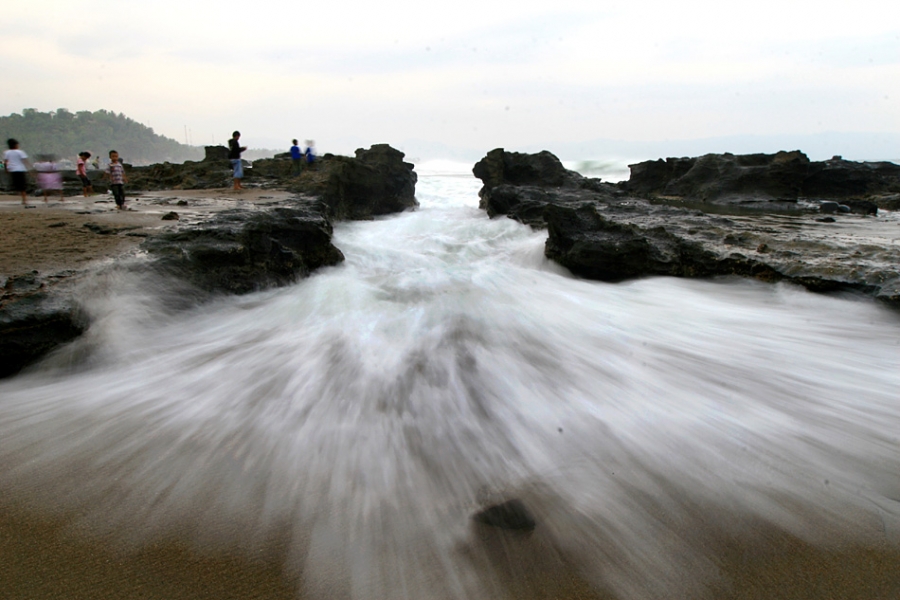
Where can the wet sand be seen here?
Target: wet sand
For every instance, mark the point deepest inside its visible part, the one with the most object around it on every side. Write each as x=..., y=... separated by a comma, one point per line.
x=51, y=237
x=43, y=559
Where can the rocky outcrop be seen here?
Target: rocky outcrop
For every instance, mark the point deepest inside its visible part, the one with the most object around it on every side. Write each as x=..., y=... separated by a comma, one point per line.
x=215, y=153
x=238, y=252
x=233, y=252
x=613, y=237
x=375, y=182
x=190, y=175
x=756, y=180
x=35, y=318
x=522, y=185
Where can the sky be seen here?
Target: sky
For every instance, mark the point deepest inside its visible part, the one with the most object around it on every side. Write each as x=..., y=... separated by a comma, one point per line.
x=465, y=76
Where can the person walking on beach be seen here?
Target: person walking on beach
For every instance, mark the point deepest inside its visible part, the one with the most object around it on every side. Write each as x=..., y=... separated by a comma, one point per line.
x=115, y=172
x=234, y=155
x=16, y=163
x=296, y=159
x=81, y=170
x=49, y=179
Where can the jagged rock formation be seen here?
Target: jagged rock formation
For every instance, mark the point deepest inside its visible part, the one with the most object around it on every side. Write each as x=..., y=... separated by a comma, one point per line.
x=234, y=252
x=35, y=318
x=521, y=185
x=759, y=179
x=238, y=252
x=602, y=232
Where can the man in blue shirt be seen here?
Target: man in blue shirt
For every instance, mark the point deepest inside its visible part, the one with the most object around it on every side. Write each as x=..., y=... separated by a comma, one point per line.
x=296, y=158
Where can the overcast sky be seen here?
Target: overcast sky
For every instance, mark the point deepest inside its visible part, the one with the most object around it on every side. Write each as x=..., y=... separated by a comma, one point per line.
x=474, y=74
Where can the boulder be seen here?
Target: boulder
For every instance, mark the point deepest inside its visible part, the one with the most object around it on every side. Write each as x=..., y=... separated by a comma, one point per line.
x=500, y=167
x=521, y=185
x=239, y=251
x=375, y=182
x=33, y=321
x=511, y=515
x=215, y=153
x=593, y=246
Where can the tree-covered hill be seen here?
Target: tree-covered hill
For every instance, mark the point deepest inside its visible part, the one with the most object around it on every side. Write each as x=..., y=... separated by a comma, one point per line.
x=65, y=134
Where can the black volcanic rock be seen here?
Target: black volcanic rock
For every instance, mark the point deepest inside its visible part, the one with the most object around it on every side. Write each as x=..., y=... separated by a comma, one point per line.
x=542, y=169
x=521, y=185
x=725, y=178
x=239, y=252
x=215, y=153
x=376, y=182
x=33, y=321
x=753, y=180
x=838, y=178
x=512, y=515
x=605, y=234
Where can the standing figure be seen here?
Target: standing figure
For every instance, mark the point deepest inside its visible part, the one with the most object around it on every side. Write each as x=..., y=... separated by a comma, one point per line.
x=115, y=172
x=49, y=179
x=234, y=155
x=15, y=162
x=310, y=153
x=81, y=170
x=296, y=159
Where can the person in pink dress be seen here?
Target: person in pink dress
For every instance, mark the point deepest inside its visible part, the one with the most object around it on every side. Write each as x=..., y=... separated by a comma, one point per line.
x=49, y=179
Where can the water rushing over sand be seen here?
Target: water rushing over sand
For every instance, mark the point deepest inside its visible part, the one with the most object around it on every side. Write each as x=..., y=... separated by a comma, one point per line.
x=347, y=427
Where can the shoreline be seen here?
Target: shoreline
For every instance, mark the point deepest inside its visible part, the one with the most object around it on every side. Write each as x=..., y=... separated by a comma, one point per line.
x=53, y=237
x=47, y=558
x=43, y=556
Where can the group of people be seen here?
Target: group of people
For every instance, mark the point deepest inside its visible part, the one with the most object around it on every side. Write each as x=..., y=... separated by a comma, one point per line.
x=49, y=178
x=298, y=157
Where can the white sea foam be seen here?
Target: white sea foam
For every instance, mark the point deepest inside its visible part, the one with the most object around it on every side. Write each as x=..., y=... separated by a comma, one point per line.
x=364, y=414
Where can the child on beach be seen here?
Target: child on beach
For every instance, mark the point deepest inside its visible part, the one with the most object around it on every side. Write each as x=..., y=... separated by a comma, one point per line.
x=81, y=170
x=115, y=172
x=49, y=179
x=234, y=155
x=15, y=162
x=296, y=159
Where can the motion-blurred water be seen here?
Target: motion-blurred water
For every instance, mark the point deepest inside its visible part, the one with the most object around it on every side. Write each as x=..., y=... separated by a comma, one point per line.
x=360, y=417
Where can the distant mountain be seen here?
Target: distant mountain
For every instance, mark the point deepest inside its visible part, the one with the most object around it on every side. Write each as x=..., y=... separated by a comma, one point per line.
x=65, y=134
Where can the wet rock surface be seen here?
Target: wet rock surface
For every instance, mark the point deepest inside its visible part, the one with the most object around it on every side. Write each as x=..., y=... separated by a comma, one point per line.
x=35, y=317
x=512, y=515
x=236, y=251
x=522, y=185
x=375, y=182
x=756, y=180
x=609, y=233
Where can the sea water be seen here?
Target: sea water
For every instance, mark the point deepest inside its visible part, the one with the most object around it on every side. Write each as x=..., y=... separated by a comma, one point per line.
x=351, y=424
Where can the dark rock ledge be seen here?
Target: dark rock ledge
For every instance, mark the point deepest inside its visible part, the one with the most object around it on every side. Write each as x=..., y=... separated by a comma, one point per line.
x=716, y=215
x=233, y=252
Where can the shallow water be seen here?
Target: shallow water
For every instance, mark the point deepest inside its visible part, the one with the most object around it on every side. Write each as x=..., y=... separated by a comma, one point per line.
x=348, y=426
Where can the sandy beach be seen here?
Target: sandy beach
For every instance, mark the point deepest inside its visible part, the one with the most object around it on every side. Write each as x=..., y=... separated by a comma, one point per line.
x=45, y=556
x=50, y=237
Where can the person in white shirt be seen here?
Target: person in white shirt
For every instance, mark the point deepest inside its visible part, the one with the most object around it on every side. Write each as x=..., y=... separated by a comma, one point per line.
x=16, y=164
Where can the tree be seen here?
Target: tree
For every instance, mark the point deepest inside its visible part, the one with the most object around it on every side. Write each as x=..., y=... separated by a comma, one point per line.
x=65, y=134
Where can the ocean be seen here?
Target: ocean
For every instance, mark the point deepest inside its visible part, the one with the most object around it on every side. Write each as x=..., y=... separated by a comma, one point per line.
x=670, y=437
